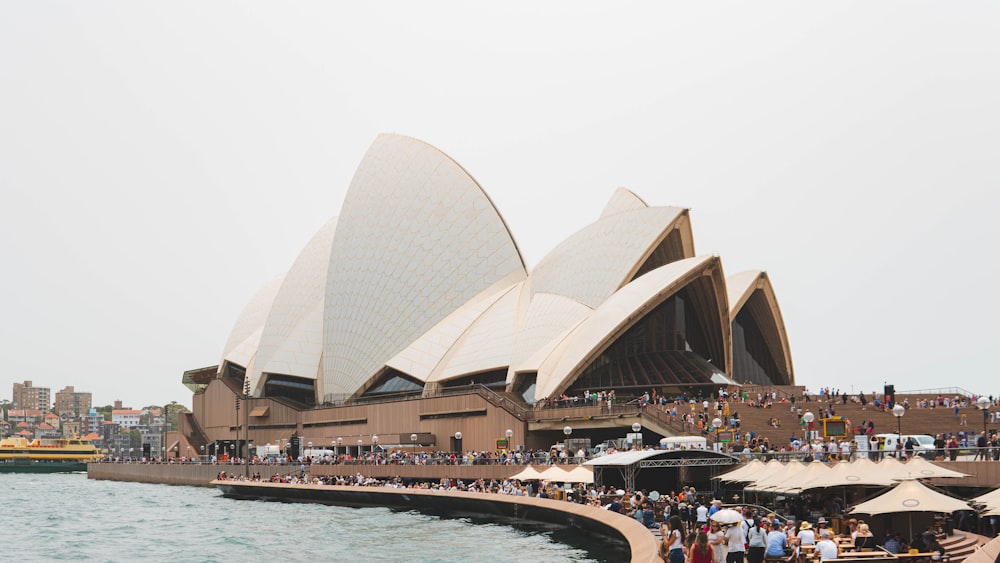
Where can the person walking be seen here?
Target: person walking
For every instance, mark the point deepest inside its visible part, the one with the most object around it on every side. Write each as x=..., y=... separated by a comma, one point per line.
x=756, y=542
x=736, y=548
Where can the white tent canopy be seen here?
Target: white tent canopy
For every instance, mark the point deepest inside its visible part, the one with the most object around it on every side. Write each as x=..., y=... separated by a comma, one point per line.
x=746, y=472
x=581, y=474
x=529, y=473
x=911, y=496
x=557, y=474
x=812, y=472
x=777, y=478
x=861, y=471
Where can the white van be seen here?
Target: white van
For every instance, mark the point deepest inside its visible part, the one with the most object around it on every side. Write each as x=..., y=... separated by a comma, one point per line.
x=683, y=443
x=923, y=444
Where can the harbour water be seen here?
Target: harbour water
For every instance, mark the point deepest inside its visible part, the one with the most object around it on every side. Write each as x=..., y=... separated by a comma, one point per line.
x=68, y=517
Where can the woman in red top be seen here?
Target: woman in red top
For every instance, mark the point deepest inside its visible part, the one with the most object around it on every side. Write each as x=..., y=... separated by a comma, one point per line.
x=700, y=551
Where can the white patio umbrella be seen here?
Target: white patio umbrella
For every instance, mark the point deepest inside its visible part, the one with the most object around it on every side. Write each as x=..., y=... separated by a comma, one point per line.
x=727, y=516
x=581, y=474
x=911, y=496
x=555, y=473
x=529, y=473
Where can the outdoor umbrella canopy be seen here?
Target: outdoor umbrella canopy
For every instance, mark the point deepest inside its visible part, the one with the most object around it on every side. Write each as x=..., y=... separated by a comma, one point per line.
x=727, y=516
x=778, y=478
x=743, y=472
x=812, y=472
x=580, y=474
x=911, y=496
x=529, y=473
x=991, y=501
x=555, y=473
x=922, y=469
x=861, y=471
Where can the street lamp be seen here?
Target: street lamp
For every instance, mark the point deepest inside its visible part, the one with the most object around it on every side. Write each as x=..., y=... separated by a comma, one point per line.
x=509, y=434
x=202, y=449
x=808, y=418
x=310, y=444
x=637, y=429
x=340, y=442
x=984, y=405
x=898, y=411
x=374, y=443
x=360, y=441
x=458, y=442
x=413, y=444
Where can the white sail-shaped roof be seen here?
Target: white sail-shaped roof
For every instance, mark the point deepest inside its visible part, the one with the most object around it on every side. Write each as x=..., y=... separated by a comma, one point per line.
x=547, y=321
x=241, y=346
x=487, y=344
x=292, y=340
x=420, y=359
x=618, y=313
x=417, y=239
x=739, y=287
x=622, y=200
x=599, y=259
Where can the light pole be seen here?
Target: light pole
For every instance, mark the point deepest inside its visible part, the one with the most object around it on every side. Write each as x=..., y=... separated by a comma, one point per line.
x=898, y=411
x=984, y=405
x=360, y=441
x=458, y=442
x=374, y=443
x=340, y=442
x=566, y=432
x=310, y=444
x=509, y=434
x=637, y=429
x=808, y=418
x=413, y=444
x=203, y=450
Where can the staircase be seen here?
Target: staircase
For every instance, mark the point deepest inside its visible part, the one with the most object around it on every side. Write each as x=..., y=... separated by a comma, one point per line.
x=962, y=544
x=915, y=421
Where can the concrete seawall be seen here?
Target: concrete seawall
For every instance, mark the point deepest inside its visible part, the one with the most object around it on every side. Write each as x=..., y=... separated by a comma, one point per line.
x=639, y=542
x=633, y=537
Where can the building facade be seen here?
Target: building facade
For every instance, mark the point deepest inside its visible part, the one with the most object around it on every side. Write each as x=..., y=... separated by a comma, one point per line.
x=27, y=396
x=417, y=290
x=69, y=402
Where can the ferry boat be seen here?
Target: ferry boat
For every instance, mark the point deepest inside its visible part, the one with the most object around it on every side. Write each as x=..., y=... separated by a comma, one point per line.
x=55, y=455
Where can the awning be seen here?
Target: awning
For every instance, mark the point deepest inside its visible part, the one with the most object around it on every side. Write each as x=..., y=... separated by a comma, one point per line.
x=259, y=411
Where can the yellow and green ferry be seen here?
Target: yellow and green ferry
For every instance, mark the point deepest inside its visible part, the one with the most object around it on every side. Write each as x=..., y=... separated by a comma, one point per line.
x=45, y=455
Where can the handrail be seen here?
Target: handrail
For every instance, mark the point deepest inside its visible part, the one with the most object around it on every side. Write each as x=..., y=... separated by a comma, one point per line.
x=939, y=391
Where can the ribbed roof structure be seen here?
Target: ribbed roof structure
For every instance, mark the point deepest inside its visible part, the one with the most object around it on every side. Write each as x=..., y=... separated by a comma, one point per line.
x=418, y=282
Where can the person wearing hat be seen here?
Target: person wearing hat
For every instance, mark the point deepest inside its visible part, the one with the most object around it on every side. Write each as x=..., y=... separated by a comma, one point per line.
x=806, y=536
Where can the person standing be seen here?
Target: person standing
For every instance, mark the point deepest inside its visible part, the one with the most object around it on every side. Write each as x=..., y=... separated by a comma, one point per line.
x=672, y=545
x=717, y=539
x=735, y=536
x=700, y=551
x=757, y=542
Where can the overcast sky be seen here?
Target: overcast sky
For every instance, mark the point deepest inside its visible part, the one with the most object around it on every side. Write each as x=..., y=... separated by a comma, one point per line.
x=160, y=161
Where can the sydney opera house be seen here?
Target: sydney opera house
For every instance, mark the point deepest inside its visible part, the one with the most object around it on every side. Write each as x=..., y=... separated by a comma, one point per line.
x=412, y=319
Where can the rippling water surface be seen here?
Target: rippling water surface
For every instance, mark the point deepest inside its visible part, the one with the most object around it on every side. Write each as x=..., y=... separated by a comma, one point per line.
x=72, y=518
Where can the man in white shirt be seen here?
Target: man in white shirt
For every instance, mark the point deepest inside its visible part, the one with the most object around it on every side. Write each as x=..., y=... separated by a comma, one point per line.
x=702, y=511
x=826, y=549
x=806, y=536
x=735, y=537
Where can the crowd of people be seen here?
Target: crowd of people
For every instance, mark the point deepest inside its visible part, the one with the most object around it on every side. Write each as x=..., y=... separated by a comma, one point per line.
x=754, y=538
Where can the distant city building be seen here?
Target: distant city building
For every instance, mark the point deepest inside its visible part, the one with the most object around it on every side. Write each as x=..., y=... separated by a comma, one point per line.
x=92, y=422
x=27, y=396
x=71, y=403
x=27, y=416
x=126, y=418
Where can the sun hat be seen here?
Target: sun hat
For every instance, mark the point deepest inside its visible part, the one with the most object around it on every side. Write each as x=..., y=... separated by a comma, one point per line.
x=805, y=526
